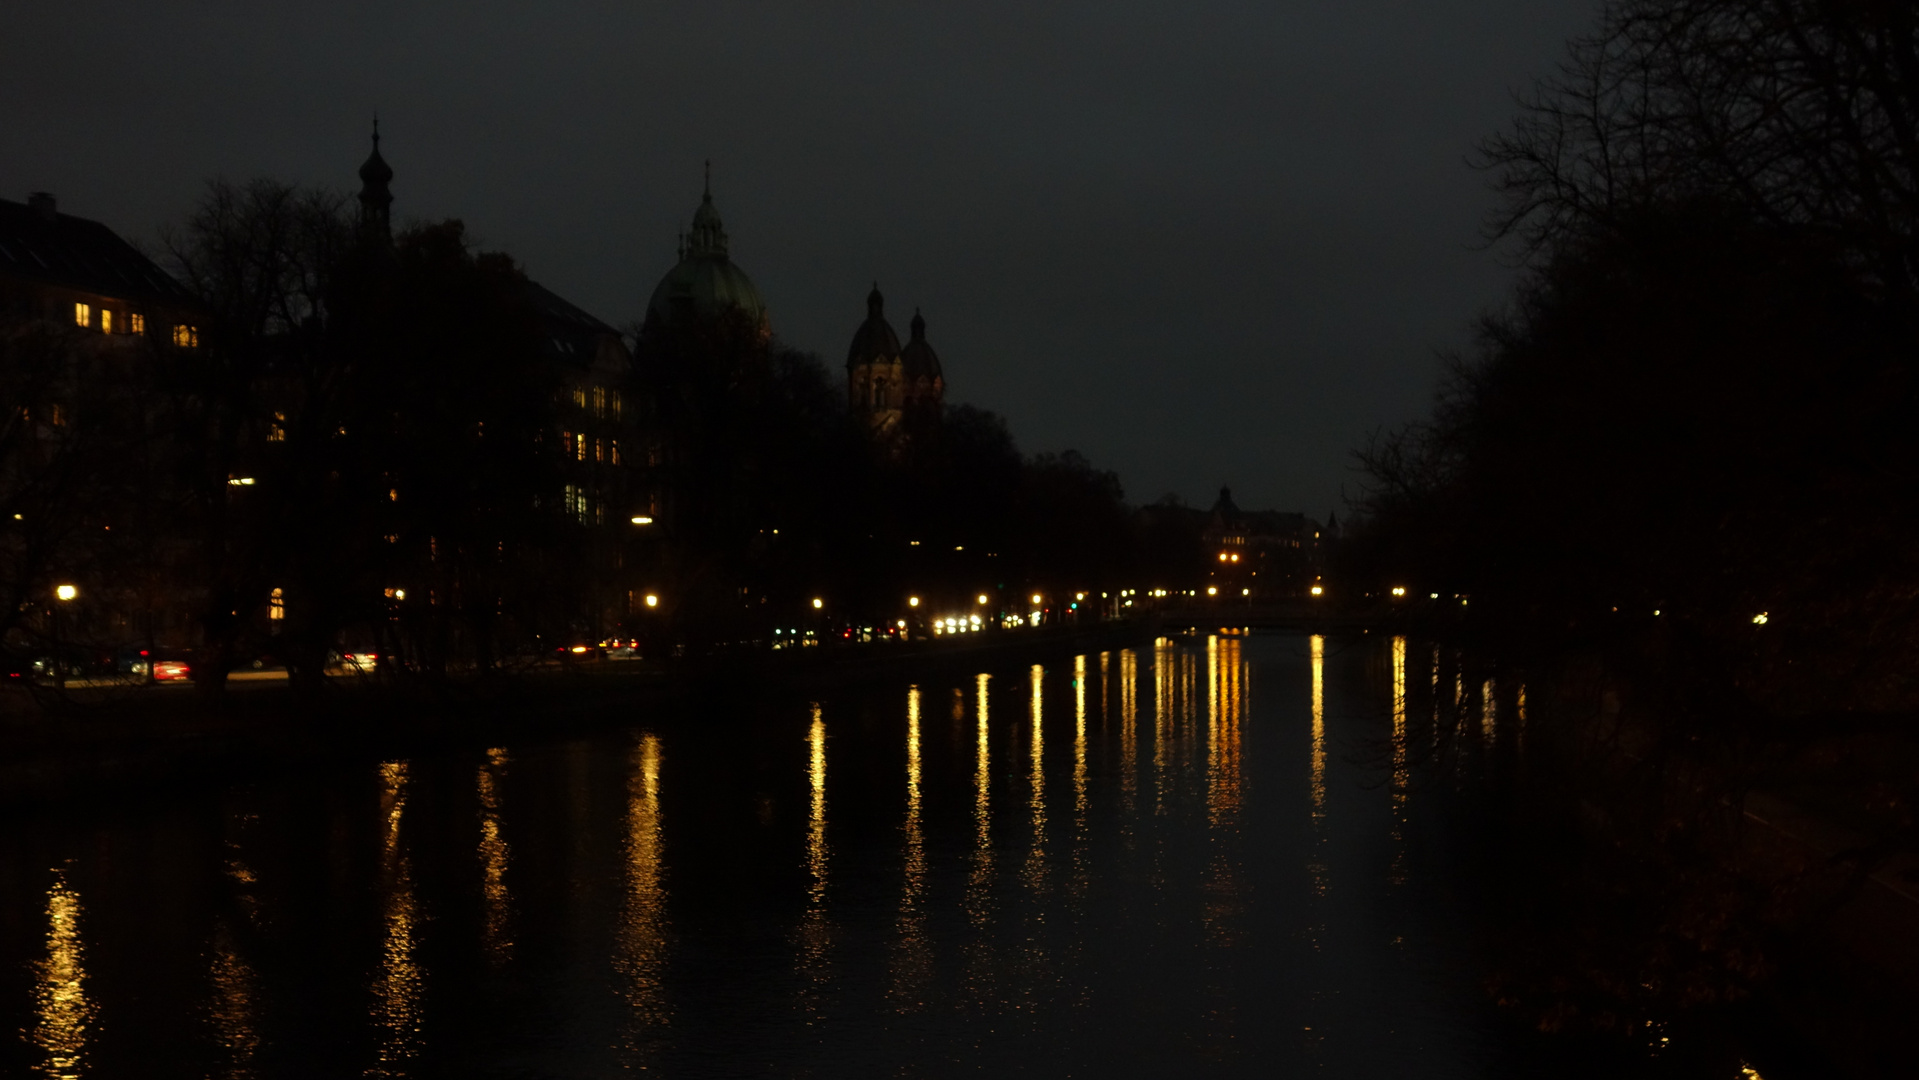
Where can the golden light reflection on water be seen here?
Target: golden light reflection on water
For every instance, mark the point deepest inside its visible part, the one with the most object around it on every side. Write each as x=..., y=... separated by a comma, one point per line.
x=982, y=807
x=63, y=1013
x=914, y=960
x=1401, y=772
x=1128, y=735
x=1079, y=740
x=1035, y=875
x=1488, y=718
x=1316, y=868
x=815, y=932
x=640, y=947
x=236, y=994
x=398, y=988
x=1225, y=711
x=1163, y=674
x=495, y=931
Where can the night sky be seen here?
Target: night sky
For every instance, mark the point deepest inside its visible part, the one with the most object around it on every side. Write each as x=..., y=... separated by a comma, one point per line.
x=1201, y=243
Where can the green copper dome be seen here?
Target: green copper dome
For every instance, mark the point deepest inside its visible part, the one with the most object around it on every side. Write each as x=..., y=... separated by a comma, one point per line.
x=705, y=283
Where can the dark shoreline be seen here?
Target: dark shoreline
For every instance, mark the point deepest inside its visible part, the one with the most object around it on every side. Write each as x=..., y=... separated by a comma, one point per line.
x=118, y=744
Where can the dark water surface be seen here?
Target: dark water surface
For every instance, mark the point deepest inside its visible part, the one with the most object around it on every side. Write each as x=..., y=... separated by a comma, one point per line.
x=1171, y=861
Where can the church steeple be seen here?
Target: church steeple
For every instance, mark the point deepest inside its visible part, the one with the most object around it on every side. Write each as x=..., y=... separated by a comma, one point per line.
x=707, y=238
x=376, y=199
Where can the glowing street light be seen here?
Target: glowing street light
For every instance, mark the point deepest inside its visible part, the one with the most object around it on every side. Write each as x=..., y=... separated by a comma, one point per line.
x=1317, y=591
x=818, y=603
x=1212, y=590
x=642, y=519
x=652, y=600
x=1035, y=599
x=1399, y=590
x=66, y=592
x=982, y=598
x=912, y=601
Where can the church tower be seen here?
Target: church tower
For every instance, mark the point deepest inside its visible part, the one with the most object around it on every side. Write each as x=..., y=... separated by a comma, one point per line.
x=376, y=199
x=898, y=392
x=875, y=371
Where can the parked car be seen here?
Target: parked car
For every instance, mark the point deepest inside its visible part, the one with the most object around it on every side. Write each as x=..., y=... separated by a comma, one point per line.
x=171, y=670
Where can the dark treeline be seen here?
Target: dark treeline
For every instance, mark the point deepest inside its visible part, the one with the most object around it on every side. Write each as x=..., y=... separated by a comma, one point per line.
x=1676, y=475
x=386, y=443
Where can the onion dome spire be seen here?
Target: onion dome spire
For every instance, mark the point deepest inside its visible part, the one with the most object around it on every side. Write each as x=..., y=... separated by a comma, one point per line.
x=376, y=199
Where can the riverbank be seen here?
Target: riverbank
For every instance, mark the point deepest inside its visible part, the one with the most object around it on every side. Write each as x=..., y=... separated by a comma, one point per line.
x=99, y=741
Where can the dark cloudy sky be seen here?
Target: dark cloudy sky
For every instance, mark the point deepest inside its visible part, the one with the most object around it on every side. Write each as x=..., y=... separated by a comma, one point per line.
x=1201, y=242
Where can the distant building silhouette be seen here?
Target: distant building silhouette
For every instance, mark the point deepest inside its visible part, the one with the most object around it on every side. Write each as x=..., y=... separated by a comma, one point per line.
x=898, y=392
x=376, y=197
x=74, y=272
x=1261, y=553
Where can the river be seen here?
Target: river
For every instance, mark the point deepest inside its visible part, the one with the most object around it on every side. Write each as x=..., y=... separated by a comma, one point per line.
x=1210, y=858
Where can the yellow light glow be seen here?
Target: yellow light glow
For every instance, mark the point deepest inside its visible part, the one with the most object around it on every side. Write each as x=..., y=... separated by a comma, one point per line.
x=1235, y=558
x=66, y=592
x=1036, y=599
x=399, y=594
x=240, y=481
x=579, y=648
x=982, y=598
x=1212, y=590
x=902, y=624
x=1222, y=556
x=818, y=603
x=652, y=600
x=1318, y=591
x=642, y=519
x=1760, y=619
x=106, y=321
x=82, y=315
x=912, y=601
x=1399, y=590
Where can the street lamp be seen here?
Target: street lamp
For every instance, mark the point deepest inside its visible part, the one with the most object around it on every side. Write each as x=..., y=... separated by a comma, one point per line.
x=652, y=600
x=66, y=592
x=1035, y=599
x=818, y=603
x=982, y=598
x=642, y=519
x=912, y=601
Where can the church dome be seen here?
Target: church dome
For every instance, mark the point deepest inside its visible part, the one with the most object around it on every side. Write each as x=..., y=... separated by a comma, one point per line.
x=875, y=341
x=705, y=283
x=919, y=361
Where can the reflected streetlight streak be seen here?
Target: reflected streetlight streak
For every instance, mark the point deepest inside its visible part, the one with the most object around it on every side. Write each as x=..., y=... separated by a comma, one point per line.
x=493, y=860
x=1401, y=773
x=640, y=947
x=1036, y=855
x=1488, y=720
x=1317, y=868
x=1162, y=708
x=236, y=993
x=815, y=938
x=397, y=990
x=62, y=1011
x=914, y=961
x=1079, y=739
x=982, y=807
x=1128, y=735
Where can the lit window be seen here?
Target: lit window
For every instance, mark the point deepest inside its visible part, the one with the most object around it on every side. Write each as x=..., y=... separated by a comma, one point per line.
x=277, y=606
x=136, y=323
x=599, y=401
x=579, y=448
x=277, y=431
x=185, y=336
x=579, y=396
x=613, y=451
x=83, y=314
x=566, y=440
x=106, y=321
x=599, y=449
x=613, y=402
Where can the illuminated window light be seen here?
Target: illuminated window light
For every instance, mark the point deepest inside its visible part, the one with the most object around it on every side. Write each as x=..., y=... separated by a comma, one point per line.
x=136, y=323
x=106, y=321
x=185, y=336
x=240, y=481
x=277, y=606
x=82, y=314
